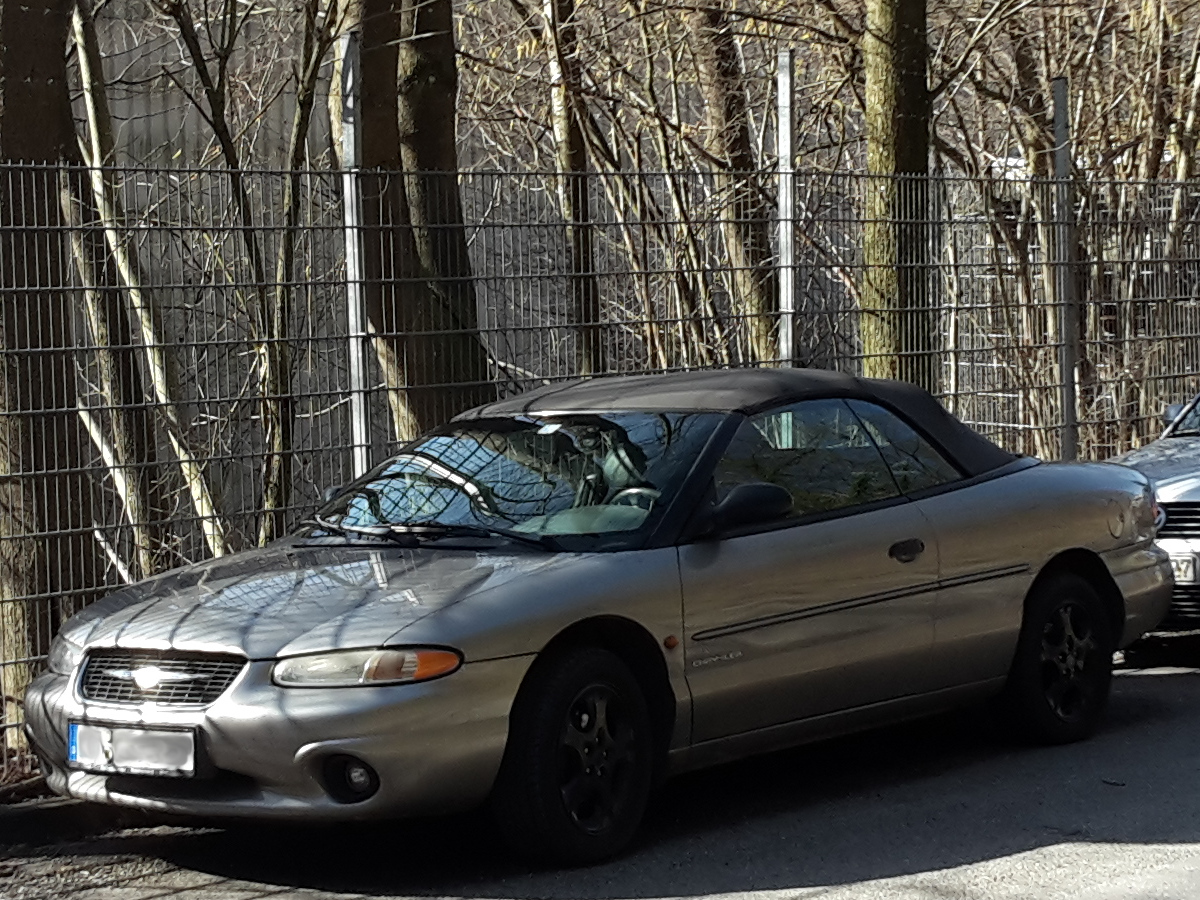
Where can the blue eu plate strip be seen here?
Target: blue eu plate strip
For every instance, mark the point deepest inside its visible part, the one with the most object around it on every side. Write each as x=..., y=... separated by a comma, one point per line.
x=73, y=742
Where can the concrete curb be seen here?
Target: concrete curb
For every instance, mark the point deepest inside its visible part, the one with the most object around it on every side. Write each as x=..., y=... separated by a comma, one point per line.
x=45, y=821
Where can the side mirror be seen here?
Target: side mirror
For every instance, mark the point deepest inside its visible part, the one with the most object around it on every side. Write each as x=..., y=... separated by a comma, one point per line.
x=330, y=492
x=749, y=504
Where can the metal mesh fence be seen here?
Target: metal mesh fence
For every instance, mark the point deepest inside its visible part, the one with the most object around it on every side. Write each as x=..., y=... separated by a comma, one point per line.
x=189, y=357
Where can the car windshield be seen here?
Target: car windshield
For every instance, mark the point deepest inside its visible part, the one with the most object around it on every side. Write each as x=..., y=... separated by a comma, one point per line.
x=575, y=481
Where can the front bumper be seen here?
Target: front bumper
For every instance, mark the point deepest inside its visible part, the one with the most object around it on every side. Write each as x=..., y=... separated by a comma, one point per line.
x=436, y=746
x=1143, y=575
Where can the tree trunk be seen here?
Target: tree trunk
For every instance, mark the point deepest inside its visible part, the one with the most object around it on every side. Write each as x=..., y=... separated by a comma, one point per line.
x=571, y=159
x=419, y=296
x=134, y=469
x=279, y=402
x=897, y=322
x=47, y=550
x=745, y=211
x=447, y=364
x=389, y=256
x=128, y=445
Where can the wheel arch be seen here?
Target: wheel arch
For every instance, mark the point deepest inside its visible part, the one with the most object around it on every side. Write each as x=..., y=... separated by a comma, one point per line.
x=1087, y=564
x=638, y=649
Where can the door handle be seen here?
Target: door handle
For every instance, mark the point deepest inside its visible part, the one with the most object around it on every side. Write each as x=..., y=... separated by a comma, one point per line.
x=906, y=551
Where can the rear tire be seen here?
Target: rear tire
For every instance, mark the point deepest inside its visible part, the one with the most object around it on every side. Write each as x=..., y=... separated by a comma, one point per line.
x=577, y=768
x=1061, y=674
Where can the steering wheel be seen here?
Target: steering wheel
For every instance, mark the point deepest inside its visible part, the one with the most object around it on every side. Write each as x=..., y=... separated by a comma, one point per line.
x=635, y=495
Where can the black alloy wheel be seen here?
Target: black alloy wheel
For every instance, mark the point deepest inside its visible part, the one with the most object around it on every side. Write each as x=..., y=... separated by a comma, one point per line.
x=599, y=758
x=577, y=768
x=1062, y=671
x=1069, y=650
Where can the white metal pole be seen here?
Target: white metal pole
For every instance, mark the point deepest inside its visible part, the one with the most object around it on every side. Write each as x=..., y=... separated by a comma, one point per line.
x=786, y=224
x=356, y=309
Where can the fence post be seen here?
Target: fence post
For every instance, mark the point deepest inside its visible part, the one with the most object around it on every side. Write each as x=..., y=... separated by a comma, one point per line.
x=1068, y=311
x=786, y=224
x=356, y=309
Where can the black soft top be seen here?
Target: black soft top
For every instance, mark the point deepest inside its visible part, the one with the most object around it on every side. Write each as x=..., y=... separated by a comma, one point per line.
x=749, y=391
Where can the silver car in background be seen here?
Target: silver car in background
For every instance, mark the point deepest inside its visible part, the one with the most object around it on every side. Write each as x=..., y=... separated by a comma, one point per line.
x=1172, y=463
x=554, y=601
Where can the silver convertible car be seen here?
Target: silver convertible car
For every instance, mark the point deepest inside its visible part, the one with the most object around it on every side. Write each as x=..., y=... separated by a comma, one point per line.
x=553, y=601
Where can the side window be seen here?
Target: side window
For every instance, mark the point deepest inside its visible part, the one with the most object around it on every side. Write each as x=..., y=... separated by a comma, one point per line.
x=913, y=461
x=817, y=450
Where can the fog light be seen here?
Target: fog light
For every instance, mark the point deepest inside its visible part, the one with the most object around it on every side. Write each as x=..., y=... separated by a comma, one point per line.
x=349, y=779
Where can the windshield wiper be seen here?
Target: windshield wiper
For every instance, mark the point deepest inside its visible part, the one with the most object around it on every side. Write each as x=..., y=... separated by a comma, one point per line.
x=409, y=534
x=438, y=529
x=387, y=532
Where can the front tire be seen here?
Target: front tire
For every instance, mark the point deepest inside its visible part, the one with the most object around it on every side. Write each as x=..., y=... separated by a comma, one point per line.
x=576, y=773
x=1061, y=673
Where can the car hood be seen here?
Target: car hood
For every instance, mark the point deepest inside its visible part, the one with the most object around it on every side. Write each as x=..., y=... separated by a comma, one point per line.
x=1172, y=464
x=290, y=599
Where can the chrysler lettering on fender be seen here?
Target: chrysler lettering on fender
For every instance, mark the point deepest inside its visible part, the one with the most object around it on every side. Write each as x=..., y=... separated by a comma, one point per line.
x=720, y=657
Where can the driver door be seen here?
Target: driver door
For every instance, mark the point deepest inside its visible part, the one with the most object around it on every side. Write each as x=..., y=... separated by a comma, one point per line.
x=830, y=609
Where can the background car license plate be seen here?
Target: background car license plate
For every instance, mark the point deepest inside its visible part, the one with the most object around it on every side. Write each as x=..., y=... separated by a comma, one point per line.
x=1185, y=568
x=140, y=751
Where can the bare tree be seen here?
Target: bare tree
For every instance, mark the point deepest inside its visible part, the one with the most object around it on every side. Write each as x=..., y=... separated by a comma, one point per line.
x=745, y=213
x=388, y=248
x=111, y=331
x=421, y=304
x=129, y=447
x=47, y=553
x=447, y=361
x=567, y=121
x=269, y=309
x=897, y=330
x=320, y=26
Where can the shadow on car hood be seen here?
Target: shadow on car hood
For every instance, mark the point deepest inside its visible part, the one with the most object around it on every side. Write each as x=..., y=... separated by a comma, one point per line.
x=284, y=600
x=1171, y=463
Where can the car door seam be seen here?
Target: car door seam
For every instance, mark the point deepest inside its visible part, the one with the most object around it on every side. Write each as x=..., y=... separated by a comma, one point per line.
x=986, y=575
x=857, y=602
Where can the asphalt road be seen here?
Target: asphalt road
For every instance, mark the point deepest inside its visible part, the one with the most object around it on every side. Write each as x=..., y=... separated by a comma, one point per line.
x=938, y=810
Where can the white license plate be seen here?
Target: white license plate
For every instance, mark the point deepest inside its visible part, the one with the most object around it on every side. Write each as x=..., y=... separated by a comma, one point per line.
x=1185, y=569
x=137, y=751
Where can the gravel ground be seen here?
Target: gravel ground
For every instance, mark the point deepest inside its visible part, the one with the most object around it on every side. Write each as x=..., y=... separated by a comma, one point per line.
x=939, y=810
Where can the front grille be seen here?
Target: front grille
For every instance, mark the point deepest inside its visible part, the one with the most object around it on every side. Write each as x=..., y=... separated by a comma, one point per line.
x=1183, y=521
x=112, y=676
x=1185, y=608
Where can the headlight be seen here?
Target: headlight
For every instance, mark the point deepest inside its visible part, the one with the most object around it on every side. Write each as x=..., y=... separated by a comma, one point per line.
x=350, y=668
x=64, y=656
